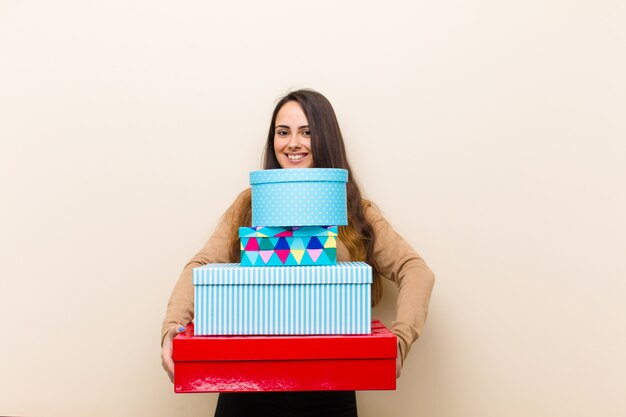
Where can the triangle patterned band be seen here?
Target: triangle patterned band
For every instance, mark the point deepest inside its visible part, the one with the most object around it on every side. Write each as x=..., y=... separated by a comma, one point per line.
x=288, y=246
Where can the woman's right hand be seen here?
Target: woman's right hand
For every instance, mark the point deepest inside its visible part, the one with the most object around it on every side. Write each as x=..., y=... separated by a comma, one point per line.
x=166, y=350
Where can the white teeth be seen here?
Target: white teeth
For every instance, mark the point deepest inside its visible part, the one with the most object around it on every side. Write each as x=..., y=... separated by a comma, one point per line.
x=295, y=157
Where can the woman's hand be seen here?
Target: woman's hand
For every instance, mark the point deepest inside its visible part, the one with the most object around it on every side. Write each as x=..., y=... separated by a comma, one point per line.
x=166, y=350
x=398, y=362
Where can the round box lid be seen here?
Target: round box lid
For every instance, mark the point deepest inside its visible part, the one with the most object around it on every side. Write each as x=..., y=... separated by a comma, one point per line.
x=299, y=175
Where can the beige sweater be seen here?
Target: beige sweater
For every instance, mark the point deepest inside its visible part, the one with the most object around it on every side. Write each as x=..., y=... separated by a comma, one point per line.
x=396, y=259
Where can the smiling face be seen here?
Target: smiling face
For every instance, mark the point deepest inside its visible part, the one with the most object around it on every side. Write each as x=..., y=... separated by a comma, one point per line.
x=292, y=137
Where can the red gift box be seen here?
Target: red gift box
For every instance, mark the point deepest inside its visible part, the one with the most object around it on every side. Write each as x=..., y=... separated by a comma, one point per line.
x=285, y=363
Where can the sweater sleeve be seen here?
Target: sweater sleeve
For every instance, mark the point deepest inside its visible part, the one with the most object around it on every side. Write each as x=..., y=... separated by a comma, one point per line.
x=180, y=308
x=401, y=264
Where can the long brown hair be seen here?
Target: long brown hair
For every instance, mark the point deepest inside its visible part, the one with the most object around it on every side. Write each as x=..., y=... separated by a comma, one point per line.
x=328, y=151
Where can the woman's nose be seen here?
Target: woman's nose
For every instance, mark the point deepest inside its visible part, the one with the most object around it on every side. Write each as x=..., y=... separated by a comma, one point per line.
x=294, y=142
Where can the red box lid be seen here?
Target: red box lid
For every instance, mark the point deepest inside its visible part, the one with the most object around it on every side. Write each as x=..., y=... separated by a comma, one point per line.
x=380, y=344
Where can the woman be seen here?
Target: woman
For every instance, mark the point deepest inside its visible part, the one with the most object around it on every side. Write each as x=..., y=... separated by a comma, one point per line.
x=304, y=133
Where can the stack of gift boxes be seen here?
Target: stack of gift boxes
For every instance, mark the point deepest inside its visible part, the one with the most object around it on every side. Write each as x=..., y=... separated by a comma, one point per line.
x=289, y=316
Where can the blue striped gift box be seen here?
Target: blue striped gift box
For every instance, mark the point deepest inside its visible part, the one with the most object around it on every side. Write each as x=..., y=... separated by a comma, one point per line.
x=284, y=300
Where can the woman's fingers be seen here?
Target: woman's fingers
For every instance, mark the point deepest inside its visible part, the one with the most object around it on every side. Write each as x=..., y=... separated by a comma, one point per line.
x=166, y=350
x=168, y=365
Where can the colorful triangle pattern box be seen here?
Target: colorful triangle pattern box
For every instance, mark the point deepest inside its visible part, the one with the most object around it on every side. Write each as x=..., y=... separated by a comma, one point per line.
x=288, y=246
x=285, y=363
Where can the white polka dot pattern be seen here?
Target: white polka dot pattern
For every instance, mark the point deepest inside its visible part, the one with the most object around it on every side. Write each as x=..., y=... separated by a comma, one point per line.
x=299, y=197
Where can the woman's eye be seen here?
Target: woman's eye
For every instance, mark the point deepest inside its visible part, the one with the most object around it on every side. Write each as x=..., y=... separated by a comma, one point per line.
x=306, y=133
x=281, y=132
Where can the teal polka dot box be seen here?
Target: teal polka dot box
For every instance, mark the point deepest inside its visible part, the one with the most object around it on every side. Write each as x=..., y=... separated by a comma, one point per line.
x=299, y=197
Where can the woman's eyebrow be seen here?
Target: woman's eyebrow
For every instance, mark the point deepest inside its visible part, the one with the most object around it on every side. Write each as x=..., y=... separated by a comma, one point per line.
x=287, y=127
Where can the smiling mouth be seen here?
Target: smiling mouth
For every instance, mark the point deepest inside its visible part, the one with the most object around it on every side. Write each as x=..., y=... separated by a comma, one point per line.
x=296, y=156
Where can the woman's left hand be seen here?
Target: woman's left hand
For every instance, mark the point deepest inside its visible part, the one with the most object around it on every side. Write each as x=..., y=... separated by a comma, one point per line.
x=398, y=362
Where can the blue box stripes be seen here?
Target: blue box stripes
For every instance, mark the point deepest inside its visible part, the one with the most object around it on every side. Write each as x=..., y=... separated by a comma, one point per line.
x=285, y=300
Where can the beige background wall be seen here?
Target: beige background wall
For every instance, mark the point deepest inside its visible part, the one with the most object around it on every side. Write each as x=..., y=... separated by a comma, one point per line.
x=491, y=133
